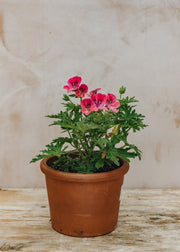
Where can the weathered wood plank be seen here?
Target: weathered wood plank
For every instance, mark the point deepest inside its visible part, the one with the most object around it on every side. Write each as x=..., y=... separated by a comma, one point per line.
x=149, y=220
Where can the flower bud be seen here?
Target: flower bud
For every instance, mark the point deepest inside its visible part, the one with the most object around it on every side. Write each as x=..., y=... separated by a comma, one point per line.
x=122, y=90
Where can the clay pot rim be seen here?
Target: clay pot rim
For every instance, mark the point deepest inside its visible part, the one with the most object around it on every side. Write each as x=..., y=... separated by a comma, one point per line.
x=81, y=177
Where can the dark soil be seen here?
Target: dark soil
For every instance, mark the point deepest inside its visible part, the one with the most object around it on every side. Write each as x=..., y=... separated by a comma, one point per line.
x=60, y=166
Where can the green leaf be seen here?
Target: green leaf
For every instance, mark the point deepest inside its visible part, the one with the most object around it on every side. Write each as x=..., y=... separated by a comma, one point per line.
x=126, y=153
x=66, y=97
x=55, y=148
x=64, y=125
x=113, y=155
x=100, y=163
x=72, y=95
x=101, y=142
x=115, y=139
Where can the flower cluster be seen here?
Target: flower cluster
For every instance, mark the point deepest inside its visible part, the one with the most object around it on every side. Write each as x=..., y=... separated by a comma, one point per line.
x=96, y=101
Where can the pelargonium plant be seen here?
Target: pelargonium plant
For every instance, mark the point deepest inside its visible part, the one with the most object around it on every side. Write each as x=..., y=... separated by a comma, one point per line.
x=96, y=128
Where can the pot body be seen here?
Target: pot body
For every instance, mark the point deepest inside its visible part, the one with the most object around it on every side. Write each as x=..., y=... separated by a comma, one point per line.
x=84, y=205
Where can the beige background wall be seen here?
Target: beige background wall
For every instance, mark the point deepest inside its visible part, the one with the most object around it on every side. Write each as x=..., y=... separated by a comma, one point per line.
x=109, y=43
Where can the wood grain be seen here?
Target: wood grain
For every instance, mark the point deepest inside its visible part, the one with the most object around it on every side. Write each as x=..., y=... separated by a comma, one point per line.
x=149, y=220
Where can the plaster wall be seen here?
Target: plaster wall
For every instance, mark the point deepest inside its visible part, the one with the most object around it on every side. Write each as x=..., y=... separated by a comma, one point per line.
x=107, y=42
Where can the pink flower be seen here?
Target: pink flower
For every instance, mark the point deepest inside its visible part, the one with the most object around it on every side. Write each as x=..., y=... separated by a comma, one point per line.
x=99, y=101
x=94, y=92
x=111, y=103
x=87, y=106
x=82, y=90
x=73, y=84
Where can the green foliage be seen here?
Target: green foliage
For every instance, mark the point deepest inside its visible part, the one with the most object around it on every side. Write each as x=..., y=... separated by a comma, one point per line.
x=54, y=148
x=97, y=140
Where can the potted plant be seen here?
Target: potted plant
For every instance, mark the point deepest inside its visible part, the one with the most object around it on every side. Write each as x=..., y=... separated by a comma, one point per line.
x=84, y=181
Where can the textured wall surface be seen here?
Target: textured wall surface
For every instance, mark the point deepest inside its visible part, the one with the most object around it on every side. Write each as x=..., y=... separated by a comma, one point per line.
x=109, y=43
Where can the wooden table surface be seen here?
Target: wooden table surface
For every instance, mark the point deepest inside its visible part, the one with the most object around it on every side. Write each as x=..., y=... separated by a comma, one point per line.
x=149, y=220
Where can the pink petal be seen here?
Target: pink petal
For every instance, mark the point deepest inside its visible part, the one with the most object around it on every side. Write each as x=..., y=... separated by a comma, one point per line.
x=82, y=90
x=93, y=108
x=111, y=98
x=78, y=94
x=114, y=110
x=87, y=112
x=99, y=100
x=116, y=104
x=74, y=79
x=88, y=106
x=94, y=92
x=66, y=87
x=73, y=84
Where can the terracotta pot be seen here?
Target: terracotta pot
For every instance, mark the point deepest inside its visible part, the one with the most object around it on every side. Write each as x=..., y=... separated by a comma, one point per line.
x=83, y=205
